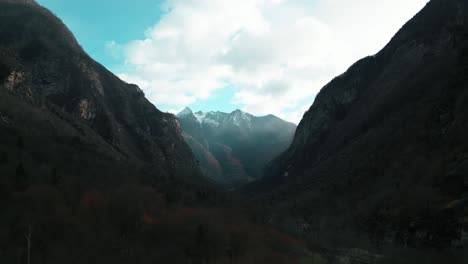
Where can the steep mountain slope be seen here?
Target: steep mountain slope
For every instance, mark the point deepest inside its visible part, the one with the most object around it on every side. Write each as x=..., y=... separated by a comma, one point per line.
x=381, y=157
x=91, y=172
x=234, y=148
x=42, y=62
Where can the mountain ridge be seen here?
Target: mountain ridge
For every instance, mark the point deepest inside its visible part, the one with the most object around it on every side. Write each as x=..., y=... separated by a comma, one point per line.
x=383, y=145
x=223, y=141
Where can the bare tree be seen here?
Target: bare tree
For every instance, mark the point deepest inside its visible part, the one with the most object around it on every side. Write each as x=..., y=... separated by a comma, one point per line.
x=28, y=239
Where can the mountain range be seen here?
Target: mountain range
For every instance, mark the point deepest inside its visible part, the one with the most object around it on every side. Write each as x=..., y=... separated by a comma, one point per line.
x=233, y=149
x=375, y=173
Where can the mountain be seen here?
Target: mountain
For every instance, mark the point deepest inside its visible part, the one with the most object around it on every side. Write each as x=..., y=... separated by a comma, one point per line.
x=92, y=172
x=381, y=158
x=64, y=93
x=234, y=148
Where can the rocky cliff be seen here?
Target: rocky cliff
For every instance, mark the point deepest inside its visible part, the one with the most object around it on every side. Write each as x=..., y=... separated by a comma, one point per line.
x=43, y=67
x=381, y=156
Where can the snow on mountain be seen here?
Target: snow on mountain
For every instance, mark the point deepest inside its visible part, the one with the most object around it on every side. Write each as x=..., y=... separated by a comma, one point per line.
x=216, y=119
x=209, y=118
x=239, y=118
x=233, y=148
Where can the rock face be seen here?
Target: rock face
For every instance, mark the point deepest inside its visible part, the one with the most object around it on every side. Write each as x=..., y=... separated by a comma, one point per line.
x=33, y=2
x=88, y=166
x=381, y=155
x=43, y=68
x=234, y=148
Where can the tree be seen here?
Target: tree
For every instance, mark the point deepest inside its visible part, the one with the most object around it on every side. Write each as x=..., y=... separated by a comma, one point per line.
x=28, y=239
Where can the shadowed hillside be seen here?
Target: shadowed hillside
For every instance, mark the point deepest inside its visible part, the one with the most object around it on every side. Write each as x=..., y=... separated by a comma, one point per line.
x=380, y=159
x=91, y=172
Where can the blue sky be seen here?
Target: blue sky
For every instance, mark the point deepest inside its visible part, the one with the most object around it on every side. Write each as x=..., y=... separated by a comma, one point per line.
x=261, y=56
x=95, y=23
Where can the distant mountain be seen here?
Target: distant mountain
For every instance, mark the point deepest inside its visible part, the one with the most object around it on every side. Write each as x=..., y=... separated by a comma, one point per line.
x=381, y=157
x=234, y=148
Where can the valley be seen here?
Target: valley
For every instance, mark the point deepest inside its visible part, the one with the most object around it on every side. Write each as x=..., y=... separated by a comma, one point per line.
x=376, y=172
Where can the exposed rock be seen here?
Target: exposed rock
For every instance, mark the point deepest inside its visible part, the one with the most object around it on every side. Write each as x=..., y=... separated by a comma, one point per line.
x=93, y=78
x=19, y=1
x=87, y=110
x=381, y=152
x=14, y=79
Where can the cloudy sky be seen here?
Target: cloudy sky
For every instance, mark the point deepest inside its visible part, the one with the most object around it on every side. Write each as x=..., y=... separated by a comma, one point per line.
x=261, y=56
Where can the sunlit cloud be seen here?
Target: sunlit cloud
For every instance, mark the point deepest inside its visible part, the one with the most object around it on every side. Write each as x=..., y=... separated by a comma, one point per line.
x=277, y=53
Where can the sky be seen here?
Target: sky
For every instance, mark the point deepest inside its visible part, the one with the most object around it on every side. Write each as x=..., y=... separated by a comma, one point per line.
x=260, y=56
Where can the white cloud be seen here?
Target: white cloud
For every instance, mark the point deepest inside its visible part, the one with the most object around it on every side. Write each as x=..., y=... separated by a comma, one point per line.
x=278, y=53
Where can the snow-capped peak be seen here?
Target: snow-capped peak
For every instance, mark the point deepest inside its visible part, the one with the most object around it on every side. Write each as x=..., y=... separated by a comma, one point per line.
x=216, y=119
x=238, y=117
x=209, y=118
x=187, y=111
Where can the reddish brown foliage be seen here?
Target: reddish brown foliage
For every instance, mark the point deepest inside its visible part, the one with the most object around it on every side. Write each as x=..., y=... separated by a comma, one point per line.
x=93, y=199
x=148, y=219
